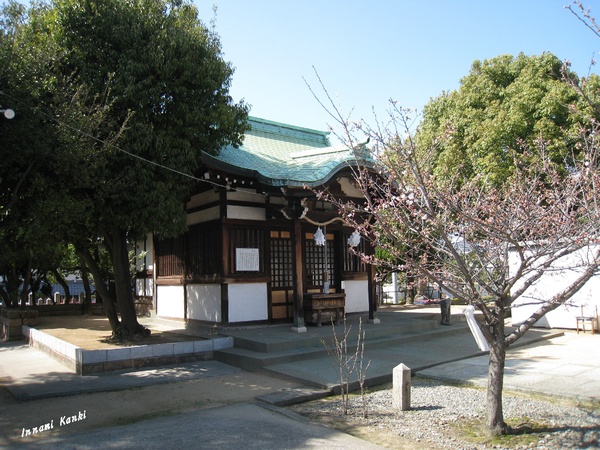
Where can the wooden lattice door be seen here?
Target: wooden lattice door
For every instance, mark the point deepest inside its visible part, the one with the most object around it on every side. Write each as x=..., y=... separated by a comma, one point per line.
x=316, y=266
x=282, y=276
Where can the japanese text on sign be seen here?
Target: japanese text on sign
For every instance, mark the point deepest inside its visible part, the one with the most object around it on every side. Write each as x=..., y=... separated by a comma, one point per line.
x=246, y=260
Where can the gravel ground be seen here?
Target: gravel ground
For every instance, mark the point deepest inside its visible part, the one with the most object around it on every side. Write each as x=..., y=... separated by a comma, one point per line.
x=439, y=411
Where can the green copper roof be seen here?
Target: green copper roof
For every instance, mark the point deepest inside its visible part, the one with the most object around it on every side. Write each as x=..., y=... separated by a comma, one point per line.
x=284, y=155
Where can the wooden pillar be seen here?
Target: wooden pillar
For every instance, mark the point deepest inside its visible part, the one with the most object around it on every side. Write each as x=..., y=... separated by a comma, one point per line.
x=224, y=303
x=226, y=264
x=372, y=288
x=299, y=324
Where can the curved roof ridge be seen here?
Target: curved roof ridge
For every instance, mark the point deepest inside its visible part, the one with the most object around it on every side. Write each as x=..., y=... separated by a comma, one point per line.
x=259, y=125
x=285, y=155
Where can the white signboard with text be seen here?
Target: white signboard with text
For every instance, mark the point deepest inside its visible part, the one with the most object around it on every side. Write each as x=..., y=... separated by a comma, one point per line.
x=246, y=260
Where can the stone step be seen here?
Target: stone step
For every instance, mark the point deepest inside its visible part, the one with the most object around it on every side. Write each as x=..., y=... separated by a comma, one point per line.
x=263, y=340
x=257, y=360
x=316, y=341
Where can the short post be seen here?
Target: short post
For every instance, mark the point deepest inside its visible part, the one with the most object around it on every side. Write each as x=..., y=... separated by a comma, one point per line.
x=401, y=387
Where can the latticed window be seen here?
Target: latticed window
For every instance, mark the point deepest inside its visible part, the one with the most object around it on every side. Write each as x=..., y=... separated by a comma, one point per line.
x=203, y=251
x=282, y=259
x=315, y=262
x=281, y=247
x=170, y=257
x=353, y=262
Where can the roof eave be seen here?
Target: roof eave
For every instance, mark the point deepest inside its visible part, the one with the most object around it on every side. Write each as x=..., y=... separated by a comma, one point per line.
x=218, y=164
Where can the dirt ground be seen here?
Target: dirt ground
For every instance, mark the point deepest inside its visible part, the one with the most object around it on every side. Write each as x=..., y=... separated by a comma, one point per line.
x=107, y=409
x=123, y=407
x=94, y=332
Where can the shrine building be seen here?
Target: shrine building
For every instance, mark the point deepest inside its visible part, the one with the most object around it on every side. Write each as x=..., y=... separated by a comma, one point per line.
x=261, y=247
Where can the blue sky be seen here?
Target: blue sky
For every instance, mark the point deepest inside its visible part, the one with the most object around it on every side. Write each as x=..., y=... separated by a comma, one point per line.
x=368, y=51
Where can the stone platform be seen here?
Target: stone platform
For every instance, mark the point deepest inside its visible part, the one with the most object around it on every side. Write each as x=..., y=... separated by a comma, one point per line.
x=108, y=357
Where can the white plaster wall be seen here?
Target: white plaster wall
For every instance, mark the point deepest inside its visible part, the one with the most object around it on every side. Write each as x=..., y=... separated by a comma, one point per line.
x=348, y=187
x=203, y=216
x=170, y=301
x=248, y=302
x=277, y=201
x=204, y=302
x=202, y=199
x=245, y=213
x=357, y=295
x=552, y=283
x=245, y=196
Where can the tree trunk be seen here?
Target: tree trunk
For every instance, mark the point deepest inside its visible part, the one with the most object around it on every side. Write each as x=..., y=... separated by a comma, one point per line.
x=124, y=292
x=12, y=287
x=102, y=290
x=495, y=414
x=5, y=297
x=410, y=289
x=26, y=284
x=64, y=285
x=85, y=277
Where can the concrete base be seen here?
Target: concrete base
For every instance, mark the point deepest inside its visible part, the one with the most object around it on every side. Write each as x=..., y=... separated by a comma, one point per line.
x=84, y=362
x=299, y=329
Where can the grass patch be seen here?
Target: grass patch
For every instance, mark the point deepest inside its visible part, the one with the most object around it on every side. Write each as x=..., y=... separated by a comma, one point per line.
x=591, y=405
x=525, y=432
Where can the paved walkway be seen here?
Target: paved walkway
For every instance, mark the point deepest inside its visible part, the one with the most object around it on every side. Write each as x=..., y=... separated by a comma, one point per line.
x=30, y=374
x=241, y=426
x=564, y=366
x=567, y=365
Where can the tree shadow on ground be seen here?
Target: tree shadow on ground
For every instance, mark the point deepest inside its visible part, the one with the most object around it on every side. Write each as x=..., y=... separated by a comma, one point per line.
x=588, y=435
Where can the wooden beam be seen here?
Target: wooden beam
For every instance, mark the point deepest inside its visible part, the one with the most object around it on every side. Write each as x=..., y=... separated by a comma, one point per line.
x=371, y=270
x=224, y=304
x=298, y=278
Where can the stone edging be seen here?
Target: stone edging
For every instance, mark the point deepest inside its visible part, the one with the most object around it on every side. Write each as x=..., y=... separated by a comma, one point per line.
x=84, y=362
x=12, y=321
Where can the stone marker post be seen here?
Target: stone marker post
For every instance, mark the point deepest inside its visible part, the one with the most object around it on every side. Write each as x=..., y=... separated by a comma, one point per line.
x=401, y=387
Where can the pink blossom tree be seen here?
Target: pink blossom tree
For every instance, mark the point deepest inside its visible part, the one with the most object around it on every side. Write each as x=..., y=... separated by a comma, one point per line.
x=458, y=232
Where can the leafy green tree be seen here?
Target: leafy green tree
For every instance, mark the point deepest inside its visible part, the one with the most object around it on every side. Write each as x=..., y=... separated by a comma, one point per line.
x=545, y=218
x=509, y=164
x=160, y=73
x=30, y=202
x=506, y=103
x=136, y=90
x=503, y=107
